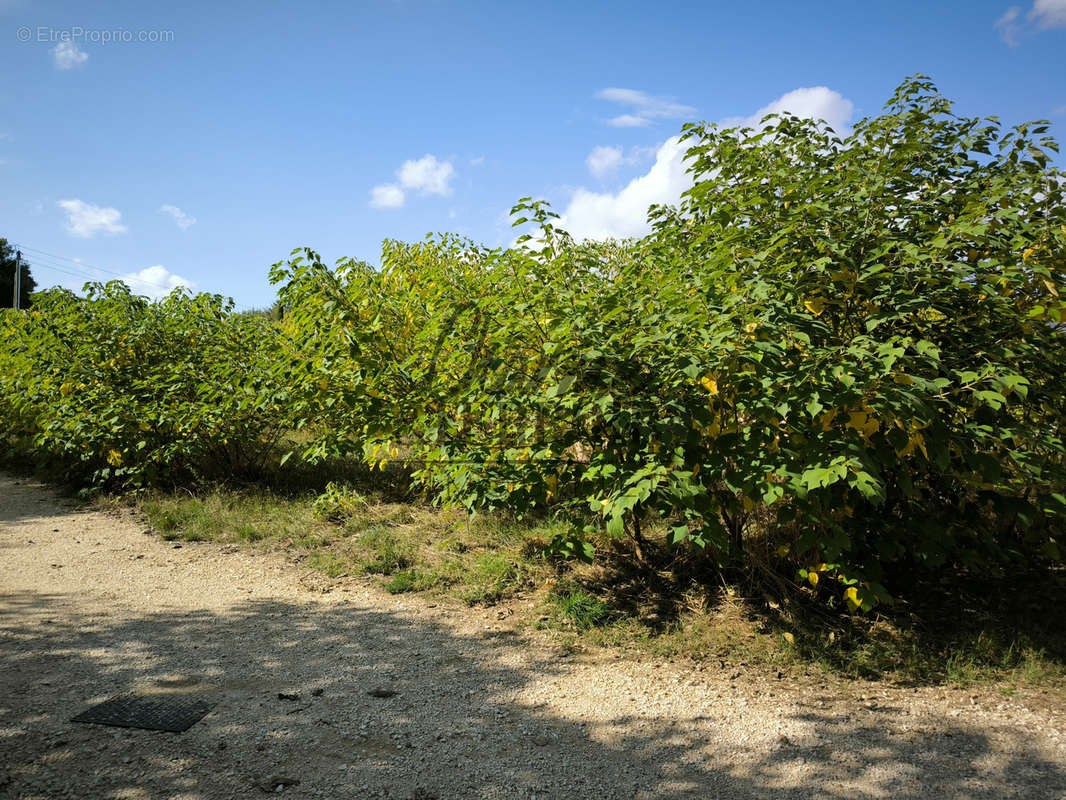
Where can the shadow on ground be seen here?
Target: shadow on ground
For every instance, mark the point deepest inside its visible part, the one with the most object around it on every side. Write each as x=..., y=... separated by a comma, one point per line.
x=453, y=729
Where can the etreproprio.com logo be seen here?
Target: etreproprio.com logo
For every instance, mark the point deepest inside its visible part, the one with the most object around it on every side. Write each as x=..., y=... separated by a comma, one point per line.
x=77, y=34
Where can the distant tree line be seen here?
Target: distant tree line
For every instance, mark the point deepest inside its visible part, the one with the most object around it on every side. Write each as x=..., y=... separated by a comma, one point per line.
x=7, y=278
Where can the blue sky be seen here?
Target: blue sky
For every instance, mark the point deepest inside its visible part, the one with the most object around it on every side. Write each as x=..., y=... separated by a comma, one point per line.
x=236, y=132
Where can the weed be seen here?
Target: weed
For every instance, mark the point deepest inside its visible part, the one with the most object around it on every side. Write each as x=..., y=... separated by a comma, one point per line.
x=582, y=608
x=328, y=562
x=383, y=552
x=402, y=582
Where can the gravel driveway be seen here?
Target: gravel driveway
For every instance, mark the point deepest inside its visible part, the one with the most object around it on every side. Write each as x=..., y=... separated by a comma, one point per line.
x=406, y=699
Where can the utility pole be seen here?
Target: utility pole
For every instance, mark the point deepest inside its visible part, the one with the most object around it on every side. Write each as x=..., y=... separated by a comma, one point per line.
x=18, y=278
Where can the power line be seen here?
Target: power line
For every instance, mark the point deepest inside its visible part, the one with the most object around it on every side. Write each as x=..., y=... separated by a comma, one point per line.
x=81, y=269
x=79, y=263
x=84, y=267
x=38, y=264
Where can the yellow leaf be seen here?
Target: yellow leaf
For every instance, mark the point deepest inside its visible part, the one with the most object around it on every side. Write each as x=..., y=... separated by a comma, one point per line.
x=827, y=419
x=552, y=483
x=323, y=384
x=812, y=578
x=710, y=384
x=856, y=420
x=815, y=305
x=144, y=426
x=783, y=550
x=1027, y=253
x=863, y=423
x=853, y=598
x=66, y=388
x=789, y=637
x=114, y=458
x=902, y=379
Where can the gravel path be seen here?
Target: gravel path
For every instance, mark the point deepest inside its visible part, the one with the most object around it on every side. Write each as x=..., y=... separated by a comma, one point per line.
x=92, y=607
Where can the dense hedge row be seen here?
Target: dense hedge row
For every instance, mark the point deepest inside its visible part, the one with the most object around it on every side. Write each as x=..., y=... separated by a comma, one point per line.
x=851, y=348
x=115, y=391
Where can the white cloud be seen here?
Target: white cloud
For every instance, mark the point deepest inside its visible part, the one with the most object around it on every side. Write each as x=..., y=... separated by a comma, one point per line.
x=628, y=121
x=181, y=219
x=622, y=214
x=815, y=102
x=388, y=195
x=155, y=282
x=477, y=162
x=1044, y=14
x=603, y=215
x=644, y=108
x=68, y=55
x=606, y=159
x=1049, y=14
x=603, y=160
x=86, y=220
x=1008, y=26
x=426, y=176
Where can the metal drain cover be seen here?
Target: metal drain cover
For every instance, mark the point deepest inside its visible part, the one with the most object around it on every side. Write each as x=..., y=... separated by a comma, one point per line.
x=150, y=712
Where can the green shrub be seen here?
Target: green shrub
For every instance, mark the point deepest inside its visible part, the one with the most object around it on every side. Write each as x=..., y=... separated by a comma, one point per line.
x=339, y=503
x=115, y=391
x=853, y=347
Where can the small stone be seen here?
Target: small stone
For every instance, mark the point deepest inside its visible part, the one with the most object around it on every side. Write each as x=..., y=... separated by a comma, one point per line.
x=381, y=692
x=316, y=692
x=276, y=783
x=287, y=696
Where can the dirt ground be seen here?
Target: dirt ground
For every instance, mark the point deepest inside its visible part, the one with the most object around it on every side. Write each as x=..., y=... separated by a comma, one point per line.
x=91, y=606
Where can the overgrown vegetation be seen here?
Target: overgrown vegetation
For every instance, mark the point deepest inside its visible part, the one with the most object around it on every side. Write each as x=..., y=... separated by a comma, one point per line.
x=833, y=377
x=115, y=391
